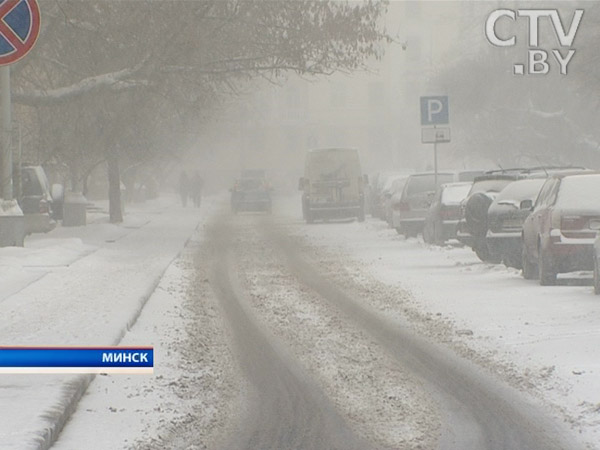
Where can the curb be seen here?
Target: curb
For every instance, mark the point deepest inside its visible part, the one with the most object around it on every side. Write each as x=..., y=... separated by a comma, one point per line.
x=74, y=390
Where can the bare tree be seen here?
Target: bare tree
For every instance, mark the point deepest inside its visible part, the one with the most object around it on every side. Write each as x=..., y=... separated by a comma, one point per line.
x=100, y=62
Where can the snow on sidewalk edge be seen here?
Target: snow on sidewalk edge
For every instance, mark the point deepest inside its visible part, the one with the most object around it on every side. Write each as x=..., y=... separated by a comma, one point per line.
x=59, y=415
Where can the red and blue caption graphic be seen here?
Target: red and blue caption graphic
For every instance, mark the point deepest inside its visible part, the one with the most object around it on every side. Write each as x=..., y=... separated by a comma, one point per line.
x=19, y=28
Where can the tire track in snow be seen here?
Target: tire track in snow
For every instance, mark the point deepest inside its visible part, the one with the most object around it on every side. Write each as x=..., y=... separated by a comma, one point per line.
x=285, y=409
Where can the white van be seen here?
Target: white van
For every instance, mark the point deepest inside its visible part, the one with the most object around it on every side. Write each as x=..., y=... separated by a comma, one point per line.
x=333, y=185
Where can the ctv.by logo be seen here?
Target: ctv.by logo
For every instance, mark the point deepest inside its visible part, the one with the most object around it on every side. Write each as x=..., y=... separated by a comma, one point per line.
x=538, y=59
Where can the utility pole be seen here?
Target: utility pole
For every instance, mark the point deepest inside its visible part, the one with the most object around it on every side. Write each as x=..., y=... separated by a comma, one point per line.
x=6, y=130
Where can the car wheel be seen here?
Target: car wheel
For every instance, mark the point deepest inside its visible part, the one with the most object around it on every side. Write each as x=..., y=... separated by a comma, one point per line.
x=438, y=237
x=484, y=254
x=529, y=269
x=546, y=270
x=513, y=259
x=596, y=276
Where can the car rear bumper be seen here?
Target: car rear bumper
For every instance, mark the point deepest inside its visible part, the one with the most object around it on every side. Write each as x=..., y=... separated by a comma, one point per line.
x=504, y=243
x=449, y=229
x=572, y=254
x=414, y=219
x=410, y=225
x=325, y=211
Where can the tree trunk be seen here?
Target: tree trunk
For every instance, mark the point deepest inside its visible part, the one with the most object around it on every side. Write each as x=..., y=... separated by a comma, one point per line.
x=75, y=179
x=114, y=188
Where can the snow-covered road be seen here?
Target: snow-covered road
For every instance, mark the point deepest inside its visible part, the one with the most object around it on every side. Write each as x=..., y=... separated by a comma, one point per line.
x=520, y=357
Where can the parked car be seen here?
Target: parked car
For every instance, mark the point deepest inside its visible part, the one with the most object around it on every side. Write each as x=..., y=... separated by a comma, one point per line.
x=505, y=219
x=251, y=194
x=444, y=213
x=558, y=235
x=382, y=183
x=35, y=200
x=333, y=185
x=374, y=206
x=394, y=191
x=409, y=213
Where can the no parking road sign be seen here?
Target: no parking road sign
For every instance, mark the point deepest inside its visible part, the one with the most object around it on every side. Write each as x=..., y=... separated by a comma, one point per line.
x=19, y=29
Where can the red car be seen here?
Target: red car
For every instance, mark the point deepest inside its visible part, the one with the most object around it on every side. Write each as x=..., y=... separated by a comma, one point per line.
x=558, y=235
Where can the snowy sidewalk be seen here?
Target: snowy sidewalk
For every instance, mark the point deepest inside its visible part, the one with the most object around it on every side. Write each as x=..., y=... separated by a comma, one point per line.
x=78, y=286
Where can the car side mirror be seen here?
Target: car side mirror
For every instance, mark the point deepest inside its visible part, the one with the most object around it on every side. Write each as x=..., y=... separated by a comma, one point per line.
x=301, y=184
x=526, y=204
x=57, y=192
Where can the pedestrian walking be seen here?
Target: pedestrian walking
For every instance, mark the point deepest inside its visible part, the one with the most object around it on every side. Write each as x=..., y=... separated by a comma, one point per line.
x=184, y=187
x=196, y=186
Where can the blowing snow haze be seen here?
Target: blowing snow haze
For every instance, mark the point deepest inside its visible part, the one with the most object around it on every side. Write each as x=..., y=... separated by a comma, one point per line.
x=299, y=225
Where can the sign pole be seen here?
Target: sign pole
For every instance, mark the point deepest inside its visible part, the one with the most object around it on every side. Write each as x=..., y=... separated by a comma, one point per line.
x=434, y=111
x=20, y=20
x=6, y=129
x=435, y=164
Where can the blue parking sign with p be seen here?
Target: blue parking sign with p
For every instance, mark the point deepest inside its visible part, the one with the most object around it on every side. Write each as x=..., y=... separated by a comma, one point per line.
x=434, y=110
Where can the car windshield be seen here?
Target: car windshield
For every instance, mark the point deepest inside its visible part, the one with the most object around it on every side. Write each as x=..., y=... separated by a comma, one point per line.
x=521, y=190
x=489, y=186
x=455, y=194
x=469, y=175
x=579, y=192
x=426, y=183
x=247, y=184
x=398, y=185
